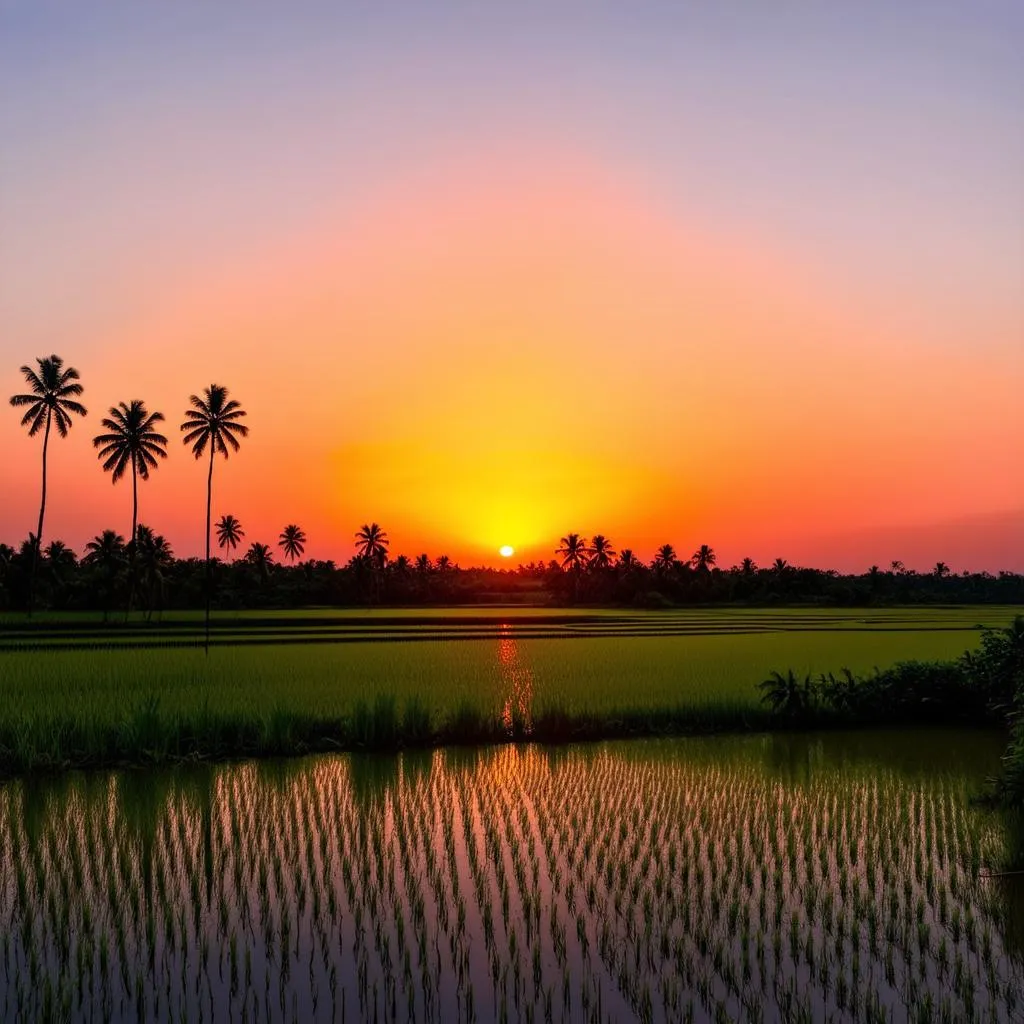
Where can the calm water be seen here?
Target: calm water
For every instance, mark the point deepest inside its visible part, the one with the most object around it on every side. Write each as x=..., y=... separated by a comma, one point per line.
x=727, y=878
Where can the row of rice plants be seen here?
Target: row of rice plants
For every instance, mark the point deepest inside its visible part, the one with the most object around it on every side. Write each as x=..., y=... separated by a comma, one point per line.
x=669, y=881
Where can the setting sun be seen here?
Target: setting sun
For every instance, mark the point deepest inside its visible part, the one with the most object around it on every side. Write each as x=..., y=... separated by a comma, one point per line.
x=506, y=551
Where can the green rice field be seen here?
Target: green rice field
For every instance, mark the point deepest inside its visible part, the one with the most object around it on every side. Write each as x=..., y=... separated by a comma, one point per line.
x=843, y=877
x=80, y=691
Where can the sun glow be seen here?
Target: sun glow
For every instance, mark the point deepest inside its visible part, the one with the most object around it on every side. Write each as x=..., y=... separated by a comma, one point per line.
x=506, y=551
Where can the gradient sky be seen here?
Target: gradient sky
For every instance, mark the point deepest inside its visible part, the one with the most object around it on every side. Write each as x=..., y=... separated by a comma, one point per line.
x=743, y=274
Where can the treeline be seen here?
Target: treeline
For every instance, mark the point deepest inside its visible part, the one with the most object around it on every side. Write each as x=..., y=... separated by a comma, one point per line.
x=110, y=575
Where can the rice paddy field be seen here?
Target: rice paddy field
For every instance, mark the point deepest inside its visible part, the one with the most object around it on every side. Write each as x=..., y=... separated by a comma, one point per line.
x=841, y=877
x=78, y=691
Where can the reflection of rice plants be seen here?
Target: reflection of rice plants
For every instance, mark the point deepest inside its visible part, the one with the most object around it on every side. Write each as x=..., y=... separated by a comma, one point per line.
x=692, y=880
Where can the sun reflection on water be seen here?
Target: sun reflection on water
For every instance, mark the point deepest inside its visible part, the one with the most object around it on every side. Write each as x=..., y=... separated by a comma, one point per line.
x=517, y=685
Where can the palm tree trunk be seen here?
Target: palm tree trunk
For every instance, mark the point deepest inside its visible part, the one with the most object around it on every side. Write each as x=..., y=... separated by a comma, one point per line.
x=209, y=503
x=132, y=552
x=42, y=512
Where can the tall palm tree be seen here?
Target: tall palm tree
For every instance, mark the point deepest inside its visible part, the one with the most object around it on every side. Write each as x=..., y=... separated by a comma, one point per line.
x=292, y=541
x=229, y=532
x=780, y=566
x=628, y=561
x=423, y=564
x=748, y=566
x=372, y=543
x=703, y=558
x=53, y=390
x=600, y=552
x=131, y=441
x=444, y=563
x=212, y=423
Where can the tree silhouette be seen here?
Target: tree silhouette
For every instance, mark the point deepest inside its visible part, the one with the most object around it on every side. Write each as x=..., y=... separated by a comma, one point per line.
x=703, y=558
x=573, y=551
x=260, y=557
x=53, y=390
x=665, y=558
x=372, y=543
x=423, y=564
x=131, y=441
x=229, y=532
x=941, y=570
x=105, y=551
x=154, y=556
x=212, y=423
x=292, y=541
x=748, y=567
x=600, y=551
x=897, y=567
x=780, y=567
x=628, y=561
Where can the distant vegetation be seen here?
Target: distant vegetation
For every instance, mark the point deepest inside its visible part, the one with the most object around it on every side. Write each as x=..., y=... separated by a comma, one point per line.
x=265, y=576
x=142, y=571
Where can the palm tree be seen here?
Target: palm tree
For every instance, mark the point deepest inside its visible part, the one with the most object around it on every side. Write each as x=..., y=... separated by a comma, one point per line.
x=261, y=558
x=703, y=558
x=780, y=566
x=105, y=549
x=292, y=541
x=600, y=551
x=573, y=550
x=372, y=543
x=941, y=570
x=423, y=565
x=627, y=560
x=665, y=558
x=212, y=422
x=131, y=441
x=748, y=566
x=154, y=555
x=444, y=563
x=229, y=532
x=52, y=400
x=897, y=567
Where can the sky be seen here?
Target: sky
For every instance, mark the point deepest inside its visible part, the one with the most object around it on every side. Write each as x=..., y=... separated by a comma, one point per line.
x=739, y=274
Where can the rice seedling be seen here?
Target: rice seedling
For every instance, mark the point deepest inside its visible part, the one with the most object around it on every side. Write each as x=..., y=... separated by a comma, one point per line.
x=665, y=880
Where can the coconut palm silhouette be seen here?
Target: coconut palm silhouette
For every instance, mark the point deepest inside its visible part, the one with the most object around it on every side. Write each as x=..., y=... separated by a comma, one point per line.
x=212, y=423
x=292, y=541
x=51, y=401
x=229, y=532
x=372, y=543
x=260, y=557
x=665, y=558
x=131, y=441
x=703, y=558
x=573, y=551
x=600, y=552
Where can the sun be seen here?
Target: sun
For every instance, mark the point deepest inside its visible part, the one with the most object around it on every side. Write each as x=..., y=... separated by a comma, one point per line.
x=506, y=551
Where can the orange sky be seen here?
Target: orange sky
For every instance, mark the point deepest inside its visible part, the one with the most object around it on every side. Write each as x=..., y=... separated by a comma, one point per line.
x=496, y=354
x=487, y=280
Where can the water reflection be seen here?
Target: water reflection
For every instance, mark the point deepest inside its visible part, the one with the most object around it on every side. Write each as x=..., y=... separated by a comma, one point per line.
x=517, y=685
x=755, y=877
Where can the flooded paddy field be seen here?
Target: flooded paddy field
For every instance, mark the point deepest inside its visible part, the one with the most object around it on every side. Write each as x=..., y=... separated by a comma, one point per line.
x=841, y=875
